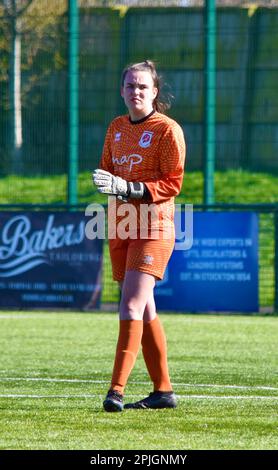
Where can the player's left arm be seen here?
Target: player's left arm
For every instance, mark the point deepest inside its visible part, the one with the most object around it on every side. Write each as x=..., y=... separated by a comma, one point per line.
x=171, y=161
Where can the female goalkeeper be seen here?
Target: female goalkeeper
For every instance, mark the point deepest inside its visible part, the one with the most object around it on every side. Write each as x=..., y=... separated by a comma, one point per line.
x=142, y=164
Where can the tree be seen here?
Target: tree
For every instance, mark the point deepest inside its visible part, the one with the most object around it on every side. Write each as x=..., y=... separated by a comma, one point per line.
x=20, y=17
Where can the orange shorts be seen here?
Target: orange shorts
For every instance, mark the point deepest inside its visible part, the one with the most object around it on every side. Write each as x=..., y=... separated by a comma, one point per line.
x=146, y=255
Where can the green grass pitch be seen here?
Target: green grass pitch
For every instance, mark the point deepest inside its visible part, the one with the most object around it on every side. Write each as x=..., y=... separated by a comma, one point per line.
x=55, y=370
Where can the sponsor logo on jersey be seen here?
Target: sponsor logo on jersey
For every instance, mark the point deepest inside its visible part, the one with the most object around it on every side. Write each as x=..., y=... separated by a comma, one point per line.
x=133, y=159
x=117, y=136
x=146, y=139
x=148, y=259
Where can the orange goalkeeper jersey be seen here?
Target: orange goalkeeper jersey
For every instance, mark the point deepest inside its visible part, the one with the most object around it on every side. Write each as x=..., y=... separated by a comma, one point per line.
x=151, y=151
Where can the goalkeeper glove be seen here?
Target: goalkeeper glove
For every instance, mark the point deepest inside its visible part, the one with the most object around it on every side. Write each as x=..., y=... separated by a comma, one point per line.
x=115, y=185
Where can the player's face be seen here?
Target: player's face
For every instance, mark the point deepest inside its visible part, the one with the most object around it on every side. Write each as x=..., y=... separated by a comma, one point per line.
x=138, y=93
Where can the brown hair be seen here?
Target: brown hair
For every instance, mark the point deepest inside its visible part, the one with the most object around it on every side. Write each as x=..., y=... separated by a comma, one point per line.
x=160, y=103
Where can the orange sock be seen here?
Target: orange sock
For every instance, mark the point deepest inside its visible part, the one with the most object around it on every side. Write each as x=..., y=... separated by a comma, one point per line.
x=155, y=354
x=128, y=346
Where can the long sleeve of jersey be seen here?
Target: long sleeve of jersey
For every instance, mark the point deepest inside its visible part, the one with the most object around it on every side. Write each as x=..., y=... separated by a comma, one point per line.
x=106, y=159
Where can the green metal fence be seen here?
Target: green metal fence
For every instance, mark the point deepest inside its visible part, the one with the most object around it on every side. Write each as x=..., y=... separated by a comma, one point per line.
x=246, y=83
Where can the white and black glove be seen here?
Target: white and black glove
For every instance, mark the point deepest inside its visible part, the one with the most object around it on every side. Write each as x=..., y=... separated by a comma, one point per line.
x=107, y=183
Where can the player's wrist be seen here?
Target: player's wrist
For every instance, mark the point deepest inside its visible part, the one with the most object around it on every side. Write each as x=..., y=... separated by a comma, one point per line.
x=135, y=190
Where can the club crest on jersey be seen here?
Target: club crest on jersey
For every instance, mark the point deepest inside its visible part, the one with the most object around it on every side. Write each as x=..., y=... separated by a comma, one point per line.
x=146, y=139
x=118, y=136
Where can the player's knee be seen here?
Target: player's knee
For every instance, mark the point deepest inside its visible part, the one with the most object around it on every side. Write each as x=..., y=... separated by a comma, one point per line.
x=131, y=309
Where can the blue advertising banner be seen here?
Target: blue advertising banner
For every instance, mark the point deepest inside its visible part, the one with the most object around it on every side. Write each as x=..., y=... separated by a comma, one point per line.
x=47, y=261
x=219, y=272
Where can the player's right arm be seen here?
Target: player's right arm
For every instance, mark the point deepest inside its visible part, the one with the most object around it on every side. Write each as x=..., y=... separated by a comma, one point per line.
x=109, y=184
x=106, y=158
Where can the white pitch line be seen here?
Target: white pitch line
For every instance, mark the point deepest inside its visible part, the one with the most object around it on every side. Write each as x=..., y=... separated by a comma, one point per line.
x=228, y=397
x=41, y=315
x=178, y=384
x=22, y=395
x=26, y=316
x=183, y=397
x=243, y=387
x=48, y=379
